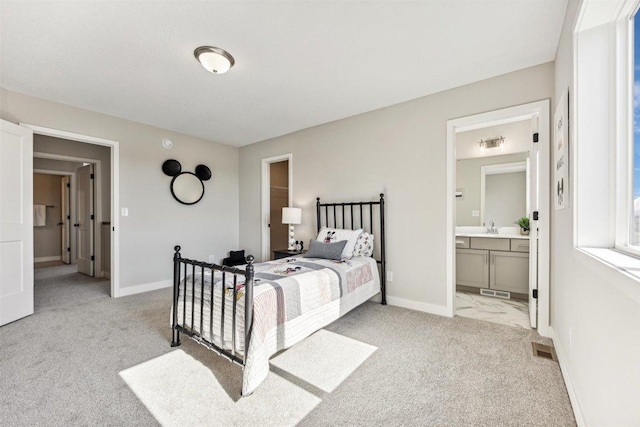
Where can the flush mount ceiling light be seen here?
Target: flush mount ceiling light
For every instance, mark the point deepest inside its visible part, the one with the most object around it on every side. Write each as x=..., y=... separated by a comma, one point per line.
x=492, y=143
x=214, y=59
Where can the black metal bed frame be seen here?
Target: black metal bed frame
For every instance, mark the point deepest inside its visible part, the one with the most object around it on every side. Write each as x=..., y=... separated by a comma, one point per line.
x=362, y=206
x=181, y=267
x=248, y=272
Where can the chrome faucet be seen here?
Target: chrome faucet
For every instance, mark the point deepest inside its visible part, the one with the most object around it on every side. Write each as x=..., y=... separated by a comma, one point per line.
x=492, y=229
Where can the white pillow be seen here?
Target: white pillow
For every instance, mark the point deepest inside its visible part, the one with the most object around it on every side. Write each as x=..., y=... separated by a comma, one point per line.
x=364, y=245
x=332, y=235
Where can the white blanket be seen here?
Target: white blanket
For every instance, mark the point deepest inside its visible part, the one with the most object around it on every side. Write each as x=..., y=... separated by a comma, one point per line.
x=293, y=298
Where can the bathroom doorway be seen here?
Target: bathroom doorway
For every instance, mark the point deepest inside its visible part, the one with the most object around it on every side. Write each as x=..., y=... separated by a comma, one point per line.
x=499, y=176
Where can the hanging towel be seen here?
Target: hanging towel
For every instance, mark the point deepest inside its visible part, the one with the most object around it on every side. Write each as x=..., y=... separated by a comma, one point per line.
x=39, y=215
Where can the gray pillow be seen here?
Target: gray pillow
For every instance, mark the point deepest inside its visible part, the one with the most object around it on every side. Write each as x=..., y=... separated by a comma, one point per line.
x=325, y=250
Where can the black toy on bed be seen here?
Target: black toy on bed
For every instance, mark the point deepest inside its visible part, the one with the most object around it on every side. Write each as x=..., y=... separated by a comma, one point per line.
x=235, y=258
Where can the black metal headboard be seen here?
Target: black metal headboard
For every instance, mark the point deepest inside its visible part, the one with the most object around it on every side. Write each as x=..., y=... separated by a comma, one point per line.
x=352, y=211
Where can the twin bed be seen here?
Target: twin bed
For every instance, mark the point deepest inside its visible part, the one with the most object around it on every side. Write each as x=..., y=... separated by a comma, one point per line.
x=249, y=314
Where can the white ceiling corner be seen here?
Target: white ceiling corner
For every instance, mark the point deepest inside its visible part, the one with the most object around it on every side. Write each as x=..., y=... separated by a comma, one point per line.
x=298, y=64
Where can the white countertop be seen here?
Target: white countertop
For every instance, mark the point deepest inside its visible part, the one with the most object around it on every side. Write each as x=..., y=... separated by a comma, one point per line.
x=493, y=236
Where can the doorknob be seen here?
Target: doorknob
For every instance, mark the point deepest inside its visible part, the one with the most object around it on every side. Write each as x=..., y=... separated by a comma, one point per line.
x=76, y=225
x=61, y=223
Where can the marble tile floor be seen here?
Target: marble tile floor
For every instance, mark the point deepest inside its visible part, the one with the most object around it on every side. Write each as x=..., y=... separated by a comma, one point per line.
x=504, y=311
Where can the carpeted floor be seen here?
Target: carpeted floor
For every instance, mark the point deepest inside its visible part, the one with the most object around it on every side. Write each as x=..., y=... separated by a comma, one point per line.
x=86, y=359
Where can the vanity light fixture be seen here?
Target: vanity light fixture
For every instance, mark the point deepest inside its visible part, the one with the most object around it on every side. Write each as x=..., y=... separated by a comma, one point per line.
x=492, y=143
x=214, y=59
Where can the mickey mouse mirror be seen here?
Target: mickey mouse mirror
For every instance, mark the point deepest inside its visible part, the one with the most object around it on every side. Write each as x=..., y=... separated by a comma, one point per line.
x=186, y=187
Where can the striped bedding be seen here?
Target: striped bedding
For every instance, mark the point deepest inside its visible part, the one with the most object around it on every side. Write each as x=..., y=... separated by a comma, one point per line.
x=293, y=297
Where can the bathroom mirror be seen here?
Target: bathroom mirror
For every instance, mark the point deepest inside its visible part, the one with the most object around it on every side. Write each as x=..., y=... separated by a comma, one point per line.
x=187, y=188
x=492, y=188
x=504, y=193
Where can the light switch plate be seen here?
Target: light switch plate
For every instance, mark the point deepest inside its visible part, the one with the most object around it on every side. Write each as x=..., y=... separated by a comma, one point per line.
x=475, y=213
x=124, y=211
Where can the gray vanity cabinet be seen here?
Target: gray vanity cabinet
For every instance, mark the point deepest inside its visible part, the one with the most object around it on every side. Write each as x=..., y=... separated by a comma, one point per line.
x=472, y=268
x=509, y=271
x=493, y=263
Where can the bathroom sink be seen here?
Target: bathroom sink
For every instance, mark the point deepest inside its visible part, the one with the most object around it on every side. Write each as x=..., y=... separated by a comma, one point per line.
x=503, y=232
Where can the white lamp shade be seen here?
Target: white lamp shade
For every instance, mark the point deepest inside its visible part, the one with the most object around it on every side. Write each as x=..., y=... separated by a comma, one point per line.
x=291, y=216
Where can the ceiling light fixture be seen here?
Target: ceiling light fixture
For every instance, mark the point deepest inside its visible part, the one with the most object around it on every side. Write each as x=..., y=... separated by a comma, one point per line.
x=492, y=143
x=214, y=59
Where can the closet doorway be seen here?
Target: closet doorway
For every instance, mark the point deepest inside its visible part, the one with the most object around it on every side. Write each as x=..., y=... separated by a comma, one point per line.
x=276, y=194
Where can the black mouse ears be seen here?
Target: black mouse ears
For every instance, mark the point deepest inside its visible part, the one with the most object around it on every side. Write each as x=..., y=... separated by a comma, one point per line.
x=173, y=168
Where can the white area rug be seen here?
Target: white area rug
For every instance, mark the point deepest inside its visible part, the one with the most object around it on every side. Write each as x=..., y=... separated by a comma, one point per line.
x=180, y=391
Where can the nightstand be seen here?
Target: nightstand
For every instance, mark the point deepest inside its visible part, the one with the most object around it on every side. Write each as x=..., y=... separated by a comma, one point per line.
x=283, y=253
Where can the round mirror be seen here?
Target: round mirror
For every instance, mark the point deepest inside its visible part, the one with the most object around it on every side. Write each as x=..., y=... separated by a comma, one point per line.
x=187, y=188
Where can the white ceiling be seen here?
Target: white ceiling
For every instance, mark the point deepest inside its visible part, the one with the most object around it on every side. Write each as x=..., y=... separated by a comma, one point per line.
x=298, y=64
x=517, y=136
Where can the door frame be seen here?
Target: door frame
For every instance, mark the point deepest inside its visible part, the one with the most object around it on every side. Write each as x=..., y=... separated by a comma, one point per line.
x=266, y=198
x=72, y=208
x=115, y=193
x=540, y=109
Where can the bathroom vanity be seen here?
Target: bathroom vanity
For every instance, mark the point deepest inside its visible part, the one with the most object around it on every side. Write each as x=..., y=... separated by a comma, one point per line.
x=493, y=261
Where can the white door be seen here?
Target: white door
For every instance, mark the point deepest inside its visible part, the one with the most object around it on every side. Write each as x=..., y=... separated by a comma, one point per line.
x=533, y=234
x=16, y=222
x=66, y=219
x=85, y=221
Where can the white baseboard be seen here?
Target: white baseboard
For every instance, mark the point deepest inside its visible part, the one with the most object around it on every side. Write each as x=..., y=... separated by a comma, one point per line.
x=440, y=310
x=47, y=258
x=146, y=287
x=566, y=374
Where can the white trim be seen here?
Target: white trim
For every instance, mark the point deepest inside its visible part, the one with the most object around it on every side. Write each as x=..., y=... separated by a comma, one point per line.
x=115, y=191
x=47, y=259
x=145, y=287
x=266, y=249
x=439, y=310
x=568, y=380
x=541, y=110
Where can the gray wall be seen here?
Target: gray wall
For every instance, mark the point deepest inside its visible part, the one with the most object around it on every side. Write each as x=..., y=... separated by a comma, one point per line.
x=603, y=358
x=156, y=222
x=468, y=178
x=47, y=240
x=399, y=150
x=505, y=199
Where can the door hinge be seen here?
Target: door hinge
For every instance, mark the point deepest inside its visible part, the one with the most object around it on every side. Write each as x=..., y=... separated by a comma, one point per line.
x=535, y=293
x=68, y=249
x=68, y=216
x=92, y=217
x=92, y=176
x=68, y=185
x=93, y=258
x=535, y=215
x=535, y=137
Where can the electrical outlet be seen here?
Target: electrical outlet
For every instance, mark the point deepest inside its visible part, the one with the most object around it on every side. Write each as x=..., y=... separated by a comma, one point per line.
x=475, y=213
x=389, y=276
x=570, y=336
x=212, y=259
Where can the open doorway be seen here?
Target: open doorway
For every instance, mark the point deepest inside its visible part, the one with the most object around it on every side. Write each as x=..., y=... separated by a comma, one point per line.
x=276, y=194
x=498, y=174
x=493, y=181
x=84, y=173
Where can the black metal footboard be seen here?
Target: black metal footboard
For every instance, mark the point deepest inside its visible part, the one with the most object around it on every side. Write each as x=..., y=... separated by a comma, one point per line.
x=184, y=271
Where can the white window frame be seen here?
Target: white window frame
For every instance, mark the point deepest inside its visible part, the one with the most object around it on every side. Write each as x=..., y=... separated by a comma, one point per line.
x=624, y=141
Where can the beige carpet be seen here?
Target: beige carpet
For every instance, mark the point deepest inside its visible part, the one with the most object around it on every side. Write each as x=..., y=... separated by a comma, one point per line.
x=86, y=359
